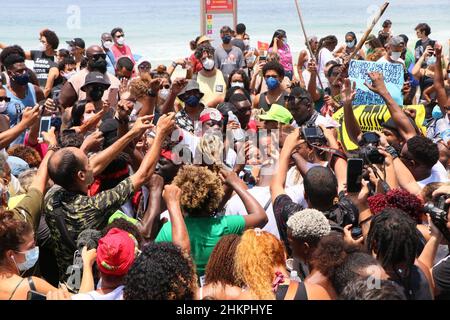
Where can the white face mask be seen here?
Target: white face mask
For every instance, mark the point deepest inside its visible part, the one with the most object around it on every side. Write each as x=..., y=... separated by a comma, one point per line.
x=367, y=46
x=237, y=84
x=164, y=94
x=42, y=47
x=121, y=41
x=87, y=117
x=395, y=55
x=69, y=75
x=208, y=64
x=247, y=43
x=108, y=44
x=3, y=106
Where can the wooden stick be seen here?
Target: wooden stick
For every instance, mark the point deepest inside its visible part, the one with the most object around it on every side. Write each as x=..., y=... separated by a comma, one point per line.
x=306, y=40
x=365, y=36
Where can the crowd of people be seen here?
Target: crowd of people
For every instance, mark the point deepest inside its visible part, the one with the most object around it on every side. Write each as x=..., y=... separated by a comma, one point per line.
x=121, y=181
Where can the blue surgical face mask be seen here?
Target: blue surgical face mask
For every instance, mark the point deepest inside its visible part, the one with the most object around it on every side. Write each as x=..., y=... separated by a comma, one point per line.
x=431, y=60
x=192, y=101
x=272, y=83
x=226, y=39
x=31, y=257
x=437, y=113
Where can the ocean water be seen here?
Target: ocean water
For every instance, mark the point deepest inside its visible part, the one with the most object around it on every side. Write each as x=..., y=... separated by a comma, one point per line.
x=162, y=30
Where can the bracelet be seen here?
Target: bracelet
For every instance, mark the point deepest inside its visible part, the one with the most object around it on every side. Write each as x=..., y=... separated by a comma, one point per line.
x=392, y=151
x=53, y=147
x=174, y=64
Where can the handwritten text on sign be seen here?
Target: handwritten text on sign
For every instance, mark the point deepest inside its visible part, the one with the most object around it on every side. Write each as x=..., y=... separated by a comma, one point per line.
x=393, y=78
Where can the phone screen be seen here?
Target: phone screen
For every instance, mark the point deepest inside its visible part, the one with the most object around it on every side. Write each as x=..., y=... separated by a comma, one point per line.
x=45, y=124
x=354, y=175
x=33, y=295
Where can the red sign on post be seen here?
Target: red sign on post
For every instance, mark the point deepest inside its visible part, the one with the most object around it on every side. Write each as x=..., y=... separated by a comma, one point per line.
x=219, y=5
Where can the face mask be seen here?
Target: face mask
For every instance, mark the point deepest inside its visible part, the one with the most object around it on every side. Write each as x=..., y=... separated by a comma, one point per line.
x=247, y=43
x=237, y=84
x=108, y=44
x=98, y=65
x=437, y=113
x=22, y=80
x=284, y=41
x=192, y=101
x=208, y=64
x=351, y=44
x=42, y=47
x=226, y=39
x=367, y=46
x=431, y=60
x=96, y=94
x=87, y=117
x=69, y=75
x=164, y=94
x=31, y=257
x=121, y=41
x=272, y=83
x=395, y=55
x=3, y=106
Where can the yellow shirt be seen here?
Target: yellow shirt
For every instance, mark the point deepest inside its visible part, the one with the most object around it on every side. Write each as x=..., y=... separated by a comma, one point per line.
x=212, y=87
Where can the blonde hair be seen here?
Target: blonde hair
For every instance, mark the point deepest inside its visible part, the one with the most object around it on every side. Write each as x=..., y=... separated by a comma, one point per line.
x=257, y=255
x=138, y=87
x=211, y=148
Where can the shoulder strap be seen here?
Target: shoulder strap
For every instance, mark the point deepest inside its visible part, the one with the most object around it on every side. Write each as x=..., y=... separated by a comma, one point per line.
x=31, y=283
x=15, y=289
x=61, y=225
x=291, y=291
x=268, y=203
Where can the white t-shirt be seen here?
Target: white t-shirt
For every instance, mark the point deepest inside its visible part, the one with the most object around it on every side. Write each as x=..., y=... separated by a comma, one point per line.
x=438, y=174
x=325, y=56
x=383, y=59
x=327, y=122
x=117, y=294
x=294, y=178
x=235, y=206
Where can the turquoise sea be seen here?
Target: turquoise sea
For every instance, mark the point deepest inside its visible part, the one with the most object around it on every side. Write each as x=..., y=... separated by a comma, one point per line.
x=162, y=30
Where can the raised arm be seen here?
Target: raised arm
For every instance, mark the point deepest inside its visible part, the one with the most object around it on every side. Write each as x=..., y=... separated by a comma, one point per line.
x=149, y=102
x=441, y=94
x=180, y=236
x=312, y=84
x=418, y=71
x=29, y=118
x=402, y=121
x=256, y=217
x=348, y=93
x=149, y=224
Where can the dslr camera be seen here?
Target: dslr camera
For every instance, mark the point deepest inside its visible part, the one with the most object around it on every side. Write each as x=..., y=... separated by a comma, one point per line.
x=368, y=148
x=313, y=135
x=438, y=213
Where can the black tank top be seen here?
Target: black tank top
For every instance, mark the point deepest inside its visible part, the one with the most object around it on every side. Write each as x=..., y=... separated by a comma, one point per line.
x=263, y=102
x=299, y=295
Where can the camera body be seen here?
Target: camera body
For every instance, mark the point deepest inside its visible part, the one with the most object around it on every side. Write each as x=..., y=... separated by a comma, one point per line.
x=438, y=214
x=368, y=148
x=313, y=135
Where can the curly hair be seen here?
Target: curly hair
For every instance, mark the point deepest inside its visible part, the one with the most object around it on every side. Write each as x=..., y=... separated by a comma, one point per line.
x=139, y=86
x=309, y=225
x=220, y=267
x=201, y=192
x=51, y=37
x=427, y=191
x=400, y=199
x=423, y=150
x=275, y=66
x=26, y=153
x=15, y=49
x=161, y=272
x=359, y=290
x=206, y=47
x=257, y=255
x=12, y=232
x=329, y=254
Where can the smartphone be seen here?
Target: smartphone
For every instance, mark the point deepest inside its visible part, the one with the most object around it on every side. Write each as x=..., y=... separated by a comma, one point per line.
x=354, y=174
x=44, y=125
x=34, y=295
x=262, y=58
x=356, y=232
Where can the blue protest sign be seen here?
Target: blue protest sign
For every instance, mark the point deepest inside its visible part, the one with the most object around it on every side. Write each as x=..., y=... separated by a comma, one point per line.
x=393, y=78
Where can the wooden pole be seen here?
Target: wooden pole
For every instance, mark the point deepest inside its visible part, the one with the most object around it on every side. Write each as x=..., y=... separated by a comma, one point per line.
x=306, y=39
x=365, y=36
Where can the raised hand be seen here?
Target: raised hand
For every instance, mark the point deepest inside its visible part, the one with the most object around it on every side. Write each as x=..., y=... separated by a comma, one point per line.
x=142, y=123
x=171, y=194
x=30, y=115
x=377, y=85
x=50, y=136
x=178, y=85
x=166, y=124
x=348, y=91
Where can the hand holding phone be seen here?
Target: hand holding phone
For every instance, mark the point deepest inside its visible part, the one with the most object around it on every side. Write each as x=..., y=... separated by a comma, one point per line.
x=354, y=175
x=44, y=125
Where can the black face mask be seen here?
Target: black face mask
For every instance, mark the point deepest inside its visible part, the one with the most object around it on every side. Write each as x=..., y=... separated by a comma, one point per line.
x=98, y=65
x=96, y=94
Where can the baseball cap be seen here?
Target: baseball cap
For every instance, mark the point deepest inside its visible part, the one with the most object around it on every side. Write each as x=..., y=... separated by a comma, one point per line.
x=116, y=252
x=277, y=113
x=210, y=114
x=203, y=39
x=96, y=77
x=77, y=42
x=191, y=85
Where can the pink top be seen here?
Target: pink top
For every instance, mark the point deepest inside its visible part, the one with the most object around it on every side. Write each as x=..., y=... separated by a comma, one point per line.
x=122, y=51
x=285, y=57
x=41, y=148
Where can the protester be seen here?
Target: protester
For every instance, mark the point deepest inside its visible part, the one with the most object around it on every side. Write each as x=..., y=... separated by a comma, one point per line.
x=119, y=48
x=345, y=51
x=77, y=49
x=280, y=46
x=228, y=58
x=273, y=74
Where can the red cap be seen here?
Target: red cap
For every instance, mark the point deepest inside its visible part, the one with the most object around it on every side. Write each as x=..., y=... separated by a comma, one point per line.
x=116, y=252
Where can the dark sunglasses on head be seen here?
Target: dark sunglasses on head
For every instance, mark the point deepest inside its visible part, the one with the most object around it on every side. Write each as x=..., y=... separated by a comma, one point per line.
x=7, y=99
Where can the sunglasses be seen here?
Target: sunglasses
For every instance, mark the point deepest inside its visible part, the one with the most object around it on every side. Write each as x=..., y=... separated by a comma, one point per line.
x=7, y=99
x=120, y=36
x=166, y=86
x=97, y=56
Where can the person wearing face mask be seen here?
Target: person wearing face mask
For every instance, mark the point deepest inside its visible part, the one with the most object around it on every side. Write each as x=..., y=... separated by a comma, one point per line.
x=395, y=48
x=346, y=50
x=107, y=43
x=22, y=94
x=77, y=50
x=279, y=45
x=71, y=91
x=59, y=75
x=239, y=78
x=273, y=74
x=44, y=57
x=191, y=96
x=228, y=58
x=119, y=48
x=210, y=79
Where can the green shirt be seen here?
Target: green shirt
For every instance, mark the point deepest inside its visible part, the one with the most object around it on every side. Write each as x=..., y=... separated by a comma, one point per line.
x=409, y=58
x=204, y=233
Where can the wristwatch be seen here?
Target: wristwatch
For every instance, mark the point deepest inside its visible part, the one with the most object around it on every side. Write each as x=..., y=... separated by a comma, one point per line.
x=174, y=64
x=392, y=151
x=151, y=93
x=53, y=147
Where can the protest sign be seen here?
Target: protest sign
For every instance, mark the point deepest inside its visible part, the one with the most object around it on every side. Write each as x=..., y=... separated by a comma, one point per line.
x=393, y=74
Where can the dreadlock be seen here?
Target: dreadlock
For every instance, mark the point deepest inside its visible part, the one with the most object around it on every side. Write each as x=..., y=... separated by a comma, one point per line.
x=394, y=238
x=324, y=42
